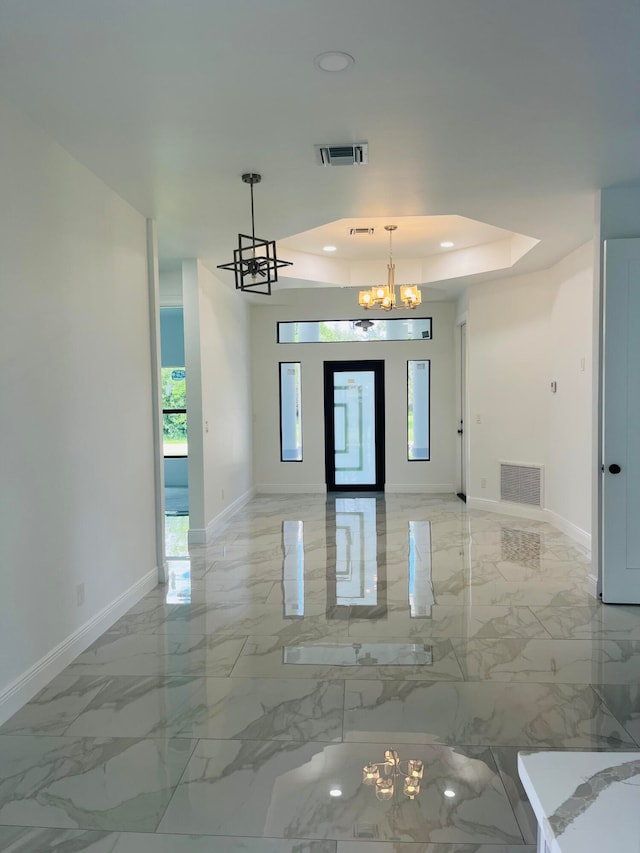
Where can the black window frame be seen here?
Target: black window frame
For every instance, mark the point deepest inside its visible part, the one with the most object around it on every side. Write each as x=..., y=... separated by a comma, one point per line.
x=280, y=366
x=409, y=361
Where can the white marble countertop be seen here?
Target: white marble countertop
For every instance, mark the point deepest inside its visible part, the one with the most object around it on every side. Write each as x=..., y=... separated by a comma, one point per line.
x=585, y=802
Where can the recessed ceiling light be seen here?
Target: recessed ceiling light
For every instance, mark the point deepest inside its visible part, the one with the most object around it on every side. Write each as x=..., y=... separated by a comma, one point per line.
x=335, y=792
x=449, y=793
x=329, y=248
x=447, y=244
x=334, y=60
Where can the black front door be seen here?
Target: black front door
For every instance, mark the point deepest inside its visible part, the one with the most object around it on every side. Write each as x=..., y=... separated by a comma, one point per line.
x=354, y=425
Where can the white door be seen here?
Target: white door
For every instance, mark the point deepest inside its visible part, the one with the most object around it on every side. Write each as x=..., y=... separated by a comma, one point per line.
x=621, y=424
x=463, y=411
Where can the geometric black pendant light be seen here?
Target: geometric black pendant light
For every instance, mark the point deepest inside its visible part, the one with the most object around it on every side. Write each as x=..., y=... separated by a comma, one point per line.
x=255, y=263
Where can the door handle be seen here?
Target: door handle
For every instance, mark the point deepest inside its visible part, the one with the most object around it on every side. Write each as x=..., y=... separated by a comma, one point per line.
x=614, y=469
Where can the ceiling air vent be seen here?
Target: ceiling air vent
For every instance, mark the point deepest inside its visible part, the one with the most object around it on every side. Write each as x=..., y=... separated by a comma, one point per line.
x=521, y=484
x=343, y=155
x=359, y=232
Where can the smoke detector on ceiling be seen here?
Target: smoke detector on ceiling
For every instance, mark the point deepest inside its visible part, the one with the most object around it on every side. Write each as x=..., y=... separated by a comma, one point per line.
x=356, y=154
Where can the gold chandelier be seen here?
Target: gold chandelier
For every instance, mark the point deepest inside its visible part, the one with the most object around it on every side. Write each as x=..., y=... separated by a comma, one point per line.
x=385, y=775
x=384, y=295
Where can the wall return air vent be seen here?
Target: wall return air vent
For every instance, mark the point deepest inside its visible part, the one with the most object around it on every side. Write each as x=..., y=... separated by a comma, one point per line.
x=349, y=154
x=521, y=484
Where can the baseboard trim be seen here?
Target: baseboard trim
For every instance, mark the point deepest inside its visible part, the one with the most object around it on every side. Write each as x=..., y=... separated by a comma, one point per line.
x=291, y=488
x=200, y=535
x=503, y=508
x=24, y=688
x=321, y=488
x=419, y=488
x=579, y=536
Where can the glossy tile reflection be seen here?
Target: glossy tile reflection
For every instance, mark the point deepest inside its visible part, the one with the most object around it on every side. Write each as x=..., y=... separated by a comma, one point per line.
x=313, y=635
x=521, y=547
x=90, y=783
x=266, y=656
x=21, y=840
x=421, y=595
x=401, y=847
x=286, y=792
x=528, y=715
x=178, y=587
x=293, y=568
x=357, y=580
x=158, y=654
x=360, y=654
x=264, y=709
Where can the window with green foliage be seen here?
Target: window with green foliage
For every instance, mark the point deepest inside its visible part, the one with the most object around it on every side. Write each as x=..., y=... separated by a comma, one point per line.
x=364, y=329
x=174, y=411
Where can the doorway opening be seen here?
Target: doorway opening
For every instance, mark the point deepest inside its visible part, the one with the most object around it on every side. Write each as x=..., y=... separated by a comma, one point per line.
x=174, y=431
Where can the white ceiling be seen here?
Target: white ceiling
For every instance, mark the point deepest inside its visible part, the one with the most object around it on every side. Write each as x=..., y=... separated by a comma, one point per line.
x=415, y=237
x=510, y=112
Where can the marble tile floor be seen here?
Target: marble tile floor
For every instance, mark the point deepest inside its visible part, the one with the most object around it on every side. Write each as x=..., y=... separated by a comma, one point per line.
x=234, y=708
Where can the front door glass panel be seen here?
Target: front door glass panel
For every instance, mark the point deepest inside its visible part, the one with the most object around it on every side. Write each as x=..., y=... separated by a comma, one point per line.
x=354, y=427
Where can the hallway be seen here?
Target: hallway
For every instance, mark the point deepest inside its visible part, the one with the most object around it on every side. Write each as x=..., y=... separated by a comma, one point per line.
x=235, y=709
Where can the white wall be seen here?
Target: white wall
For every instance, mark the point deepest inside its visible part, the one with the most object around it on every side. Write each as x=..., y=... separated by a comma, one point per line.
x=569, y=431
x=218, y=397
x=76, y=438
x=525, y=332
x=335, y=303
x=509, y=373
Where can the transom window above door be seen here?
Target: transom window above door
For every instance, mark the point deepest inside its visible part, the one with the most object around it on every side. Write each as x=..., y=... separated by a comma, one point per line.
x=346, y=331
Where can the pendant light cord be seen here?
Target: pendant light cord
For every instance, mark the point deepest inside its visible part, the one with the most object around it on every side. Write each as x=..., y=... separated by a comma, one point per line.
x=253, y=224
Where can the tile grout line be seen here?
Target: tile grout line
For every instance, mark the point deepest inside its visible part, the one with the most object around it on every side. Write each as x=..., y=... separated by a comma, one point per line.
x=507, y=795
x=176, y=786
x=539, y=621
x=603, y=701
x=462, y=671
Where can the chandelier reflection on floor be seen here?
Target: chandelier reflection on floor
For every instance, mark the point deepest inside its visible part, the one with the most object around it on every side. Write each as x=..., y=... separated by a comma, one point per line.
x=386, y=775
